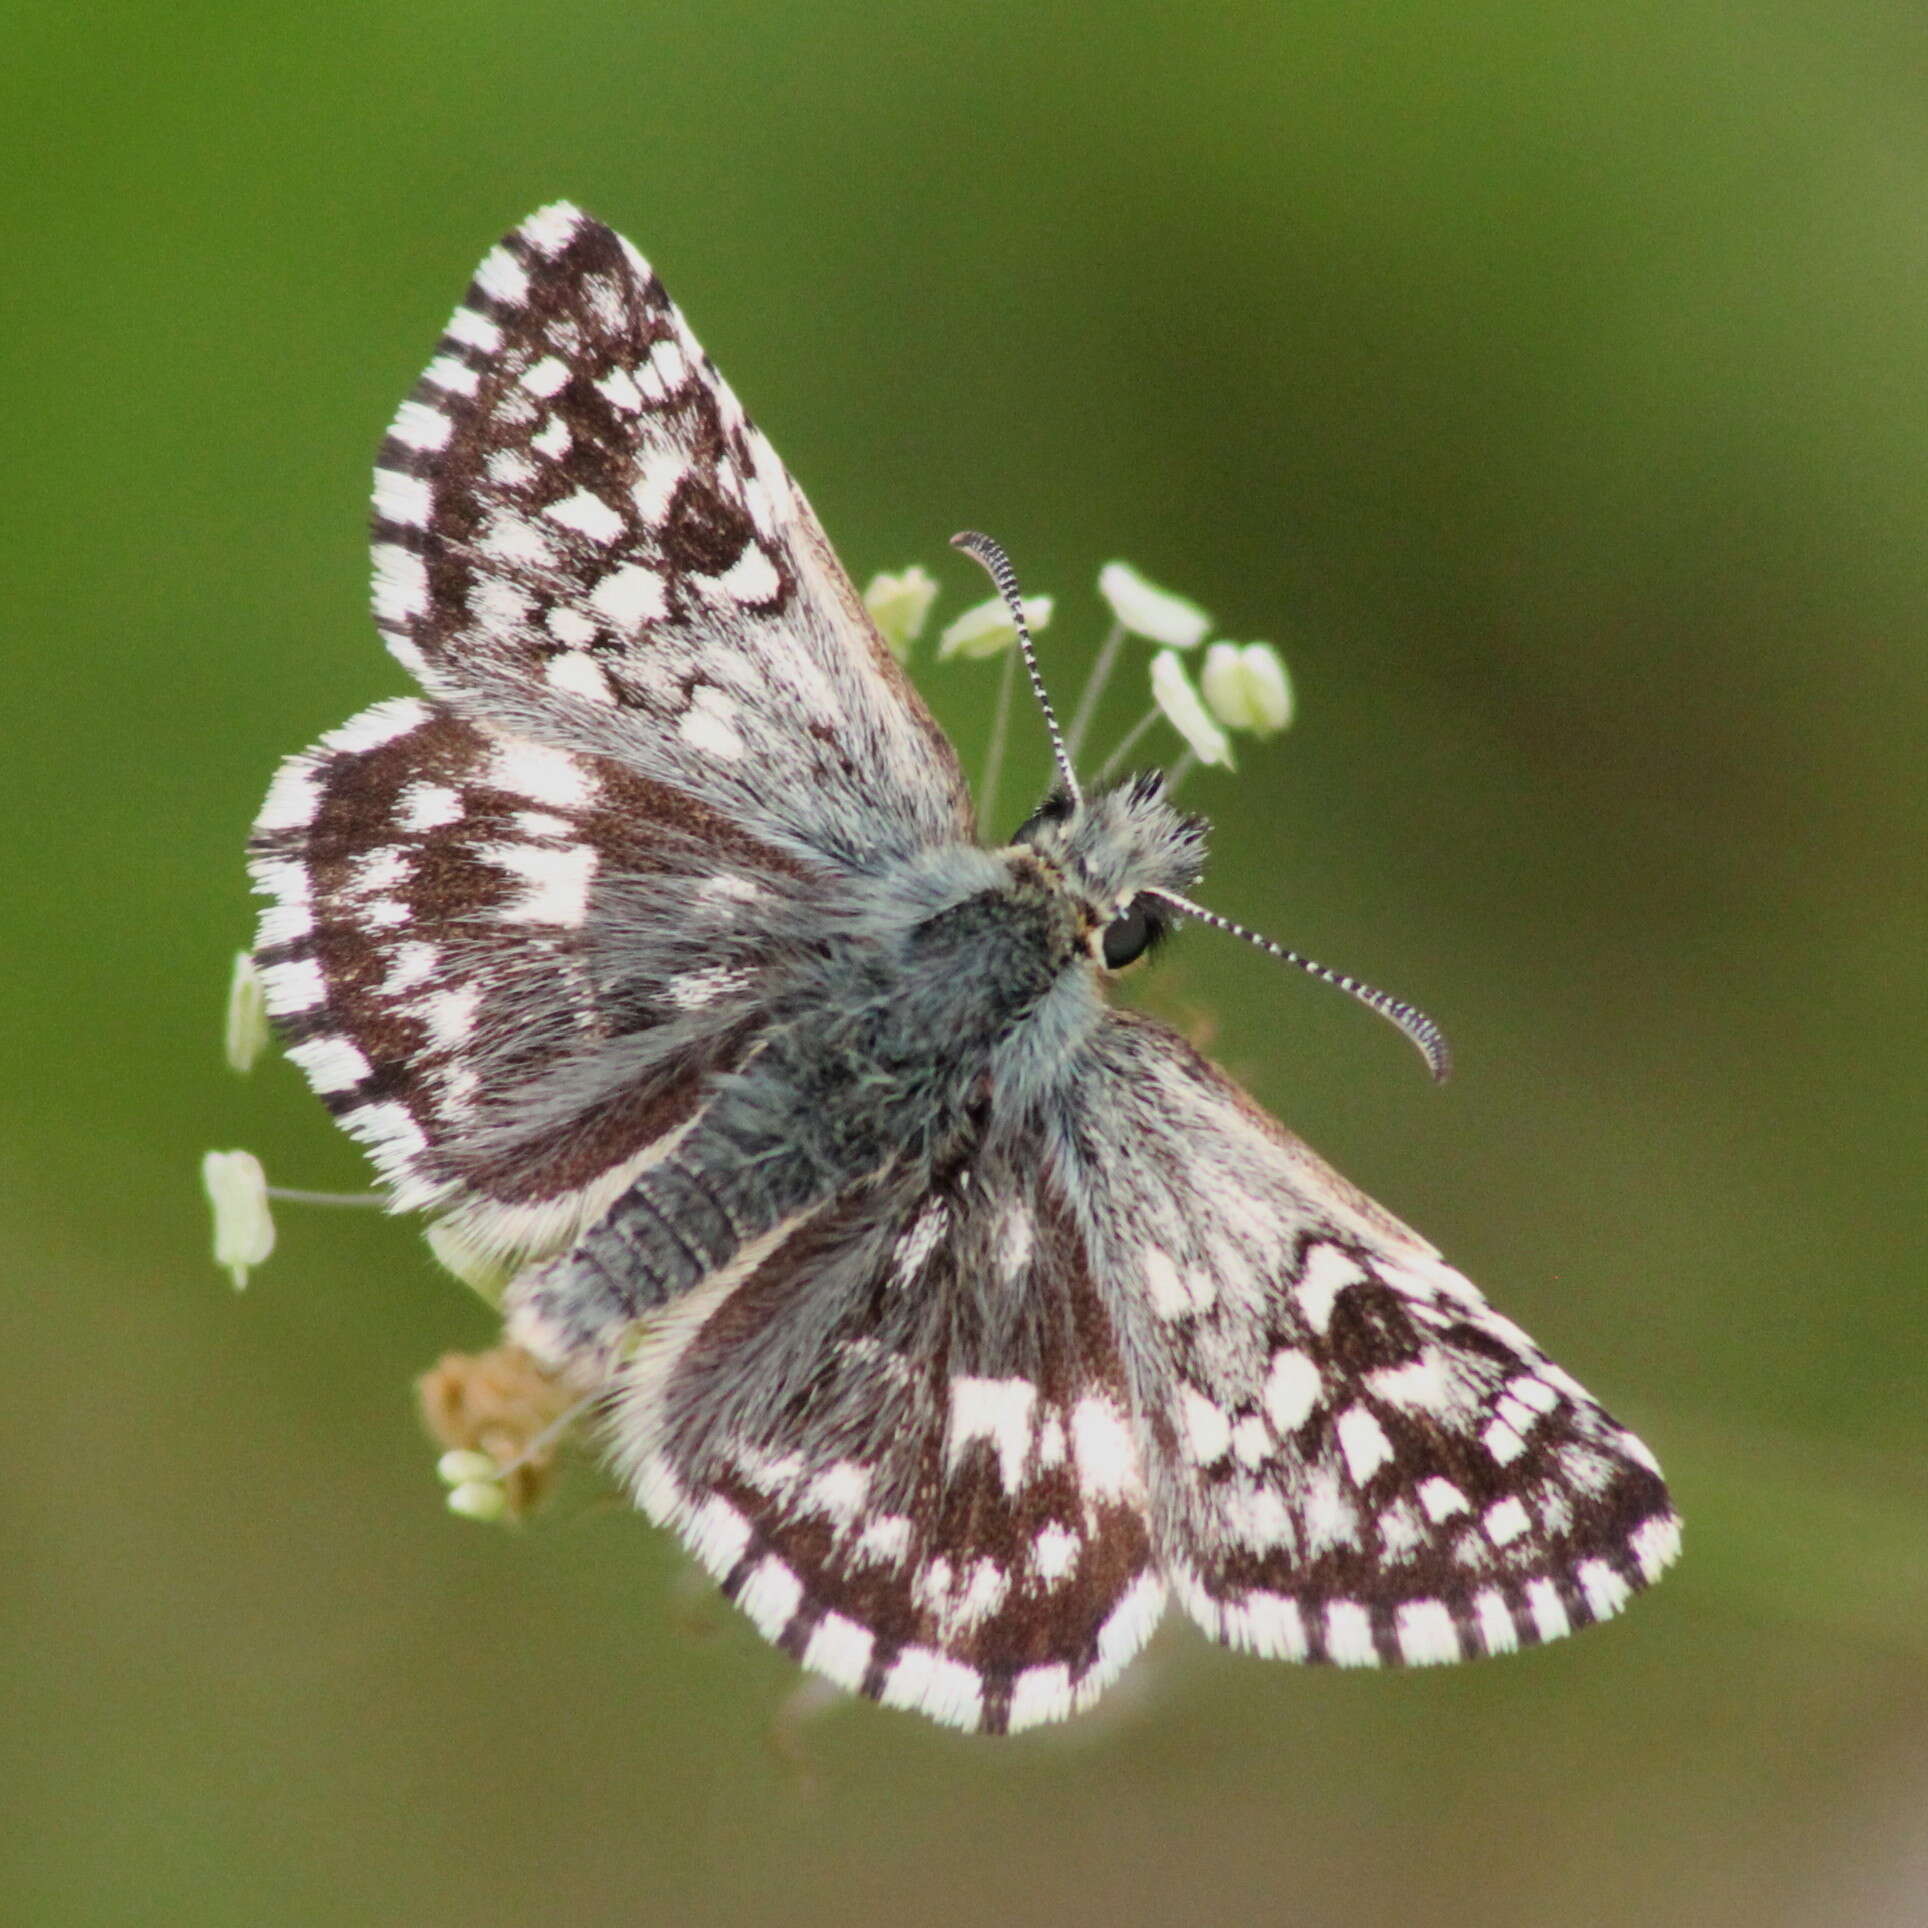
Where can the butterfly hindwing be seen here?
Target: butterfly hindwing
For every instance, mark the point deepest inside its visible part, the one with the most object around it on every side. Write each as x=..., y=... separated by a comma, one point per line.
x=1354, y=1458
x=578, y=530
x=900, y=1439
x=507, y=967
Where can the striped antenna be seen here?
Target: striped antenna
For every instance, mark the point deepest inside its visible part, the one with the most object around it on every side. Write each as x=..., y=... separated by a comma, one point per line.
x=997, y=565
x=1424, y=1034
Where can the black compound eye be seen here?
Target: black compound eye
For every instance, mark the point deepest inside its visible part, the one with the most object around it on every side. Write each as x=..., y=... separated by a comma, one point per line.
x=1129, y=935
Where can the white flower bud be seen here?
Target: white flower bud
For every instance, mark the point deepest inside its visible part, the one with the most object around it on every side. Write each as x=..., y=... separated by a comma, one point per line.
x=246, y=1036
x=484, y=1271
x=986, y=629
x=1172, y=691
x=1148, y=611
x=461, y=1468
x=1246, y=687
x=237, y=1188
x=478, y=1499
x=900, y=606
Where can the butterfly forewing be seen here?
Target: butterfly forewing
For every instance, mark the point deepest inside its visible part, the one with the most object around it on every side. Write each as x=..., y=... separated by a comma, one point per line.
x=578, y=529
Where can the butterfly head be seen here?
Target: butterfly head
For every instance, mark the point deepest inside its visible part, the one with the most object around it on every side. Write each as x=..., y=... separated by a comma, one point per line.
x=1119, y=854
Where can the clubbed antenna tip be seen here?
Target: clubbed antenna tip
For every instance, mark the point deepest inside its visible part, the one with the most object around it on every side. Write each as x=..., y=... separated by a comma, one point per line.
x=1425, y=1036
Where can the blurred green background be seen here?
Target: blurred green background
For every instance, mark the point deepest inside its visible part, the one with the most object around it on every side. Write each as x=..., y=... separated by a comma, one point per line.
x=1547, y=381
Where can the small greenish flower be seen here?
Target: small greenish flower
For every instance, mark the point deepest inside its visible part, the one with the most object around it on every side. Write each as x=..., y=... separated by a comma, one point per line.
x=237, y=1189
x=1149, y=611
x=246, y=1036
x=1246, y=687
x=1172, y=691
x=478, y=1499
x=900, y=606
x=986, y=628
x=486, y=1273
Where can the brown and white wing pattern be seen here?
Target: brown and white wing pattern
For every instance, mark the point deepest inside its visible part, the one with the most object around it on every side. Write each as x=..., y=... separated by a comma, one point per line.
x=1352, y=1457
x=899, y=1435
x=515, y=924
x=508, y=968
x=579, y=533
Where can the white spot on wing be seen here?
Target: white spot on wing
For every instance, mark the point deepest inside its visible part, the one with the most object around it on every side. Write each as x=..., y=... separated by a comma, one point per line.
x=1363, y=1441
x=655, y=486
x=1606, y=1591
x=428, y=806
x=1169, y=1299
x=1496, y=1628
x=1207, y=1431
x=1292, y=1389
x=513, y=540
x=1101, y=1442
x=1328, y=1271
x=838, y=1492
x=995, y=1409
x=718, y=1534
x=450, y=1015
x=1040, y=1694
x=1655, y=1544
x=385, y=723
x=588, y=514
x=551, y=229
x=452, y=376
x=1252, y=1441
x=630, y=596
x=620, y=391
x=541, y=774
x=1426, y=1384
x=1506, y=1521
x=558, y=882
x=884, y=1541
x=547, y=377
x=1054, y=1553
x=501, y=276
x=913, y=1250
x=577, y=674
x=695, y=989
x=1268, y=1624
x=751, y=579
